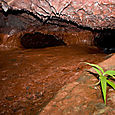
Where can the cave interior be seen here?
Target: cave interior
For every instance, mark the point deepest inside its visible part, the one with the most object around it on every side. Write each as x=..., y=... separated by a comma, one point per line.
x=20, y=20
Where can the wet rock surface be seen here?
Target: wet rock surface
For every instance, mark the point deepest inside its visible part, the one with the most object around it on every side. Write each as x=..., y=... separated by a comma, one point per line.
x=30, y=78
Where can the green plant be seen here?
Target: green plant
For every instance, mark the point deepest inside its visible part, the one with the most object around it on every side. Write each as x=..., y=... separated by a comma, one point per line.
x=104, y=79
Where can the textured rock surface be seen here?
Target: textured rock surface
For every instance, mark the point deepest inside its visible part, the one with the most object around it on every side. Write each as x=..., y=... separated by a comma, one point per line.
x=63, y=19
x=16, y=24
x=89, y=13
x=80, y=98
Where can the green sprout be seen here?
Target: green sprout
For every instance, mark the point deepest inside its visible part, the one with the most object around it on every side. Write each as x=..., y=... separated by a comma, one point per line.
x=104, y=79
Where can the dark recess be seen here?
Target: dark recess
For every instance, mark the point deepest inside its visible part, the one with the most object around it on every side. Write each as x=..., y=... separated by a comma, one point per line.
x=105, y=40
x=39, y=40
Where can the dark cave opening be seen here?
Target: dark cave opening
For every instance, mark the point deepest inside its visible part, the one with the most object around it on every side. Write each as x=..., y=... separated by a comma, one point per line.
x=39, y=40
x=105, y=40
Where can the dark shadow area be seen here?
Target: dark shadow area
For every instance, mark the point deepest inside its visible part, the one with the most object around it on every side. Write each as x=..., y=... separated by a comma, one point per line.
x=39, y=40
x=105, y=40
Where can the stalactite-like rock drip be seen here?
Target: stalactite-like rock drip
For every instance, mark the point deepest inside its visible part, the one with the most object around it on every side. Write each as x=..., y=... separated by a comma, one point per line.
x=97, y=14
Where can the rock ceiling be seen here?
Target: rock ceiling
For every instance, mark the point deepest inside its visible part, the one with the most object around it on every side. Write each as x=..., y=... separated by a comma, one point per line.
x=97, y=14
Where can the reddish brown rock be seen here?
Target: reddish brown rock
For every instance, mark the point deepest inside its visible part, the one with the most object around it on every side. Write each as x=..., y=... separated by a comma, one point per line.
x=14, y=27
x=63, y=19
x=80, y=98
x=89, y=13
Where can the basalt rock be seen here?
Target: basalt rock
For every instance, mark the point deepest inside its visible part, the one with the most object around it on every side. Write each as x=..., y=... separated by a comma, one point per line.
x=97, y=14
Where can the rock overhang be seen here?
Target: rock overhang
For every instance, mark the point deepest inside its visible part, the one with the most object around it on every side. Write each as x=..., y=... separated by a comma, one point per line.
x=96, y=14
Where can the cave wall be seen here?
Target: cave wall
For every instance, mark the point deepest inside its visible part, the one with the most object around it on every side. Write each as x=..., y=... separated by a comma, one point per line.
x=14, y=27
x=69, y=20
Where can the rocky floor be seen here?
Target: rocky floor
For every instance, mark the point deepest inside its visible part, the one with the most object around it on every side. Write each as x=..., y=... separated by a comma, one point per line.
x=81, y=98
x=30, y=78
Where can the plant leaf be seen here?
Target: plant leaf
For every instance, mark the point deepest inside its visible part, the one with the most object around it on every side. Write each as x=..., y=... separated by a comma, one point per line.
x=111, y=83
x=97, y=70
x=103, y=86
x=96, y=66
x=110, y=72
